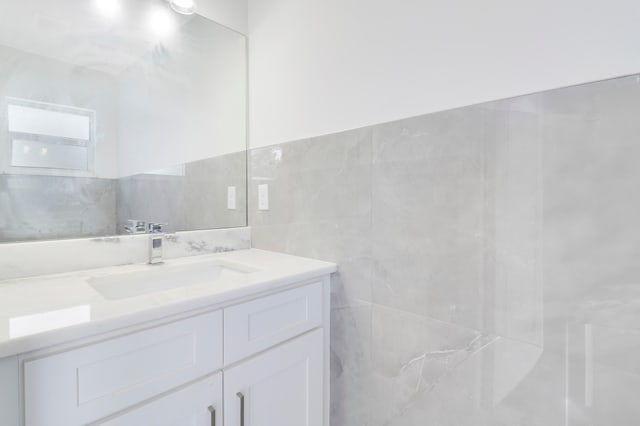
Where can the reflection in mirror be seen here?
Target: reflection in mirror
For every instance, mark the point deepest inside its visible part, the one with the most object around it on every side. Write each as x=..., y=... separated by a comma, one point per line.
x=189, y=196
x=115, y=110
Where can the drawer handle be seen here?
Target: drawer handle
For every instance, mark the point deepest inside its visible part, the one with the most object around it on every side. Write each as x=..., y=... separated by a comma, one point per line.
x=212, y=410
x=241, y=396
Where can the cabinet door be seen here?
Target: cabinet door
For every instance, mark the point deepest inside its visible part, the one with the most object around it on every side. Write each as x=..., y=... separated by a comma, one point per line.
x=281, y=387
x=199, y=404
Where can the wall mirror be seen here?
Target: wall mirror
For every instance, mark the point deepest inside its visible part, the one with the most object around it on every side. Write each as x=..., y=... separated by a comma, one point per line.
x=115, y=112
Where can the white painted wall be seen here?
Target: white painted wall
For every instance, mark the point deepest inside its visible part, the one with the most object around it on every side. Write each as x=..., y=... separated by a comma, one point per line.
x=322, y=66
x=42, y=79
x=185, y=101
x=231, y=13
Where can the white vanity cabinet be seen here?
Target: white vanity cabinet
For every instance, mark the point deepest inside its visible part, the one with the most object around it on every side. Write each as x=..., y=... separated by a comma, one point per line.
x=282, y=387
x=198, y=404
x=260, y=361
x=78, y=386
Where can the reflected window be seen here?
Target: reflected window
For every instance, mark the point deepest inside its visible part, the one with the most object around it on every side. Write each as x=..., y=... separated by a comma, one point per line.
x=50, y=136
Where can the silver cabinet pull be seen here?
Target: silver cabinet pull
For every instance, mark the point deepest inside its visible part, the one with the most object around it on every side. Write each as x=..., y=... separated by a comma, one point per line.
x=241, y=396
x=212, y=410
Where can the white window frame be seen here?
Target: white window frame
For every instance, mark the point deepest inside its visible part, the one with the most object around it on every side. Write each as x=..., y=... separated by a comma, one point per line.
x=48, y=171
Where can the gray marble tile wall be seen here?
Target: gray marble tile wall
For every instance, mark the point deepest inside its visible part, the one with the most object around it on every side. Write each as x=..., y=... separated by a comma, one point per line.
x=51, y=207
x=488, y=258
x=197, y=200
x=36, y=207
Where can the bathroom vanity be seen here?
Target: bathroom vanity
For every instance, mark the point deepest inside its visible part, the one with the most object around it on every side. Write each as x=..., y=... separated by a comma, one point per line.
x=234, y=339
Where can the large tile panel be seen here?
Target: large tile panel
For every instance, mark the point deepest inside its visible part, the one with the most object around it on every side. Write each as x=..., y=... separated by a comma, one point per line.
x=487, y=255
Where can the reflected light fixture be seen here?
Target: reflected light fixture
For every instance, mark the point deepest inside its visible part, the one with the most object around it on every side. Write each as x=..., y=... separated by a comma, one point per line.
x=185, y=7
x=108, y=8
x=160, y=22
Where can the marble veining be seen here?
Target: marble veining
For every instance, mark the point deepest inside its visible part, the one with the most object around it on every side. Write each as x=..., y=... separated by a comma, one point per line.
x=488, y=259
x=50, y=257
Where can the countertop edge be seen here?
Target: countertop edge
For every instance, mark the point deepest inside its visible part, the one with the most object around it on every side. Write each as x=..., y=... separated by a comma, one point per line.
x=153, y=316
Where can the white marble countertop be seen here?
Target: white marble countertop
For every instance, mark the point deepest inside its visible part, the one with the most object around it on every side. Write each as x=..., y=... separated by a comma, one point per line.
x=43, y=311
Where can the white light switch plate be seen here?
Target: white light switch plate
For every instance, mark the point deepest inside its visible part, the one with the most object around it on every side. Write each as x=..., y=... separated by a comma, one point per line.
x=231, y=197
x=263, y=197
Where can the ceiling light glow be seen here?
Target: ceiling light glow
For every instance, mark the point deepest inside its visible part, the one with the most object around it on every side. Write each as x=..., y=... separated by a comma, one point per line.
x=108, y=8
x=160, y=22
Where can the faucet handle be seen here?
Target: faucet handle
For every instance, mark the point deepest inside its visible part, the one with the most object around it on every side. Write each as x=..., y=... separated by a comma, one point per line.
x=135, y=226
x=155, y=228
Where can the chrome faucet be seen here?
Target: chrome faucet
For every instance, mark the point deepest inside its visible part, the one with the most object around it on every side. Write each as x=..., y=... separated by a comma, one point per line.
x=135, y=227
x=155, y=242
x=155, y=228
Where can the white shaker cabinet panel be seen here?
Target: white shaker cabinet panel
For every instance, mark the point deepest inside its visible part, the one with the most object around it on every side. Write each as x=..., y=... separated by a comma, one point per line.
x=280, y=387
x=82, y=385
x=260, y=324
x=199, y=404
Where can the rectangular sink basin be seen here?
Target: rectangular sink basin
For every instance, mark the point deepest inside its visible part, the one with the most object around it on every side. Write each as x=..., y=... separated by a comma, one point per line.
x=157, y=278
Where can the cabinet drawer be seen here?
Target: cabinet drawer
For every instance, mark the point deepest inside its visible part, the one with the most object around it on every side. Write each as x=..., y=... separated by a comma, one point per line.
x=194, y=405
x=257, y=325
x=85, y=384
